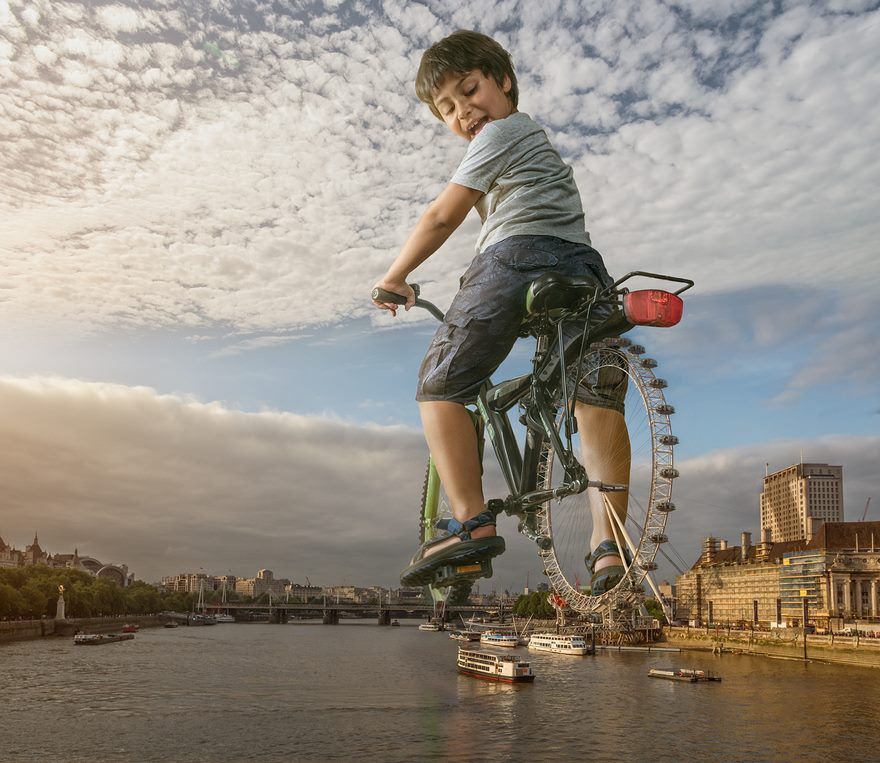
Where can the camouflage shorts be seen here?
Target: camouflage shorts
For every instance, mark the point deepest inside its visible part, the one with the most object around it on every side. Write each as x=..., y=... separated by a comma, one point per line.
x=484, y=319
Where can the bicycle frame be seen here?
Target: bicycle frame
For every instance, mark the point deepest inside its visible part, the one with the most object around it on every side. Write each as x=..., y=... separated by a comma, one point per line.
x=519, y=466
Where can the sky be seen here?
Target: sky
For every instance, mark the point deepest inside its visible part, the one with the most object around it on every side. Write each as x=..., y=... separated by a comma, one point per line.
x=196, y=198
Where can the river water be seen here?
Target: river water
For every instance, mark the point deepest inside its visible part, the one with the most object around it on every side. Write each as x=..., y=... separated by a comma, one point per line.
x=309, y=692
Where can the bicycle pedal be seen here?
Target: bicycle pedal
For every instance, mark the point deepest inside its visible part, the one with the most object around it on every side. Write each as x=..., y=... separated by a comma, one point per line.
x=452, y=573
x=495, y=505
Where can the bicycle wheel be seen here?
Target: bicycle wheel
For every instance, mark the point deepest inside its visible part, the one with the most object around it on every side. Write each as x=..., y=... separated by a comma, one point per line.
x=569, y=521
x=435, y=505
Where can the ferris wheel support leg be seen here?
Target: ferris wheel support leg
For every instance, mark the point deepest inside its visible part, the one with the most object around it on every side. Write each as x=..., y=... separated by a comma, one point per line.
x=618, y=530
x=632, y=550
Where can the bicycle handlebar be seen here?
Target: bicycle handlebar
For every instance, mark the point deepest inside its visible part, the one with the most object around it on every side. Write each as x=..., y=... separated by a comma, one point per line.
x=381, y=295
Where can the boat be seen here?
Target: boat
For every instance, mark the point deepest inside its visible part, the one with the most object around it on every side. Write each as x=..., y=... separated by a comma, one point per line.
x=130, y=628
x=498, y=638
x=82, y=639
x=494, y=667
x=431, y=627
x=222, y=618
x=552, y=642
x=465, y=635
x=170, y=624
x=395, y=623
x=197, y=619
x=683, y=674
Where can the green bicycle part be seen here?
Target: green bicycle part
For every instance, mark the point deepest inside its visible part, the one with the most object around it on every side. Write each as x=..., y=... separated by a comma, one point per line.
x=435, y=506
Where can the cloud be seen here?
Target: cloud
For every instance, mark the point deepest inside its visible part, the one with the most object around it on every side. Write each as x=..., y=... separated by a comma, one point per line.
x=166, y=484
x=260, y=172
x=255, y=343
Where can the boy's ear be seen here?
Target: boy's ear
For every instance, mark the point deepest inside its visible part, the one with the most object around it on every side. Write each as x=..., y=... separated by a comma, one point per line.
x=507, y=84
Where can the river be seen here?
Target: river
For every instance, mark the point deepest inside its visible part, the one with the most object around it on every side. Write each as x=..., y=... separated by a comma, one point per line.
x=309, y=692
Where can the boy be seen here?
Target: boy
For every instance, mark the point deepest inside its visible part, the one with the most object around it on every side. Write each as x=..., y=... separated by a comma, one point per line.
x=533, y=223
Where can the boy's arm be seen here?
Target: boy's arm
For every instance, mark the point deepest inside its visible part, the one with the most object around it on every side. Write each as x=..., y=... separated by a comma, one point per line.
x=440, y=219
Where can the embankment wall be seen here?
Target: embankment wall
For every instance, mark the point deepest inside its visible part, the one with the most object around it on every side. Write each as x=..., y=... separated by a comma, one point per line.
x=22, y=630
x=849, y=650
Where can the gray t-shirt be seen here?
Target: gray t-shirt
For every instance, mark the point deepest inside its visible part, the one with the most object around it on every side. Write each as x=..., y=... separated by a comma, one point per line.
x=528, y=189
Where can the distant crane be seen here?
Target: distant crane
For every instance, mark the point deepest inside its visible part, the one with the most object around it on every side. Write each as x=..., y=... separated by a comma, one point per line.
x=865, y=512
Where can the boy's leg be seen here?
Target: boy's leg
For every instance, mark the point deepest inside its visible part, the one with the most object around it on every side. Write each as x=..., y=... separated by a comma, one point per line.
x=605, y=452
x=452, y=441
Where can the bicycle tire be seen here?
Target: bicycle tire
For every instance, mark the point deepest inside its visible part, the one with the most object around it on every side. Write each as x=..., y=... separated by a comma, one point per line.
x=568, y=522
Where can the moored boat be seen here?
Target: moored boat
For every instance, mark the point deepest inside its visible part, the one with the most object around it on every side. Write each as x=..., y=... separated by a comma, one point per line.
x=130, y=628
x=431, y=627
x=494, y=667
x=683, y=674
x=552, y=642
x=92, y=639
x=498, y=638
x=465, y=635
x=224, y=618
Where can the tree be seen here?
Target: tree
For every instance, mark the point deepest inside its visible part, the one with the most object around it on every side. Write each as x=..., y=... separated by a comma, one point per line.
x=11, y=601
x=655, y=609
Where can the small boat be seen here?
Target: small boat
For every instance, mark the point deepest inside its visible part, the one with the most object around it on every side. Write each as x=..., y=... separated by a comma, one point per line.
x=130, y=628
x=170, y=624
x=494, y=667
x=551, y=642
x=683, y=674
x=83, y=639
x=497, y=638
x=465, y=635
x=700, y=675
x=223, y=618
x=395, y=623
x=434, y=627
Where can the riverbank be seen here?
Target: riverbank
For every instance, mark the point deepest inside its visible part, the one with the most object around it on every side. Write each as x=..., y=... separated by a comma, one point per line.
x=24, y=630
x=788, y=645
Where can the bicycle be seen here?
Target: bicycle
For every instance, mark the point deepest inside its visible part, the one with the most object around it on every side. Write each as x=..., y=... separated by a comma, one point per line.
x=545, y=479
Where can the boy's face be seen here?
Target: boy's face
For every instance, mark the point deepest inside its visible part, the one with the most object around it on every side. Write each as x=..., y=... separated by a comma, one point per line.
x=469, y=101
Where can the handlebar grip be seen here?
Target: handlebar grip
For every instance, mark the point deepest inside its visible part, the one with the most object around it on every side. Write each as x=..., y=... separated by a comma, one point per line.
x=381, y=295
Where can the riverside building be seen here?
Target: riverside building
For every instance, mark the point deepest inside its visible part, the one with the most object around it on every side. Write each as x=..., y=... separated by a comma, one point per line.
x=791, y=496
x=807, y=553
x=836, y=570
x=33, y=554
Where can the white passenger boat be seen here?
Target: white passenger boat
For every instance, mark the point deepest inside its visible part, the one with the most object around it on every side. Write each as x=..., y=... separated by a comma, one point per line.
x=552, y=642
x=494, y=667
x=224, y=618
x=497, y=638
x=431, y=627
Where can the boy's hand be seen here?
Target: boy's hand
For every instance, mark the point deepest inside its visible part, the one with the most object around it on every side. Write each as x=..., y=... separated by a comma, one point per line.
x=397, y=287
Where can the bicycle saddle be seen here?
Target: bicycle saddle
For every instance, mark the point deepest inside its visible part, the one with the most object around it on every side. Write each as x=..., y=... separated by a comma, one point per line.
x=553, y=291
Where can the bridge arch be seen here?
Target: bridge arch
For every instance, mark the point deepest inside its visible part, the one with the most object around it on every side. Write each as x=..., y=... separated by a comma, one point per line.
x=91, y=564
x=113, y=572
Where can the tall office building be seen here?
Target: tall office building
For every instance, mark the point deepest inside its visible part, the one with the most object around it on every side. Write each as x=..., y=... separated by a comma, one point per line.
x=792, y=496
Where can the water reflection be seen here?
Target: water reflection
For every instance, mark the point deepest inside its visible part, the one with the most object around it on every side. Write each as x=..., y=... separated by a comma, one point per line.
x=316, y=693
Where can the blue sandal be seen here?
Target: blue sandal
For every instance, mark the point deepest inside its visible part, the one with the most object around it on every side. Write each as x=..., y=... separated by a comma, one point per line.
x=605, y=579
x=469, y=552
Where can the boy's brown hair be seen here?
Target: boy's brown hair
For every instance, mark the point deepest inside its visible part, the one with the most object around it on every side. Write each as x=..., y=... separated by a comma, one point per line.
x=459, y=53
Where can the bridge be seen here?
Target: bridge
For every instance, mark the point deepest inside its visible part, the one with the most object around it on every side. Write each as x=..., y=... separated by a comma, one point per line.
x=280, y=612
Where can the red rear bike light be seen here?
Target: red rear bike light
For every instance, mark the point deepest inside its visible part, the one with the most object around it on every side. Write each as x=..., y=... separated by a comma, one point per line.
x=652, y=307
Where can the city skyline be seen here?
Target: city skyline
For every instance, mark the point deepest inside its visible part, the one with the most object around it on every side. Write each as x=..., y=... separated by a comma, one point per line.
x=194, y=210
